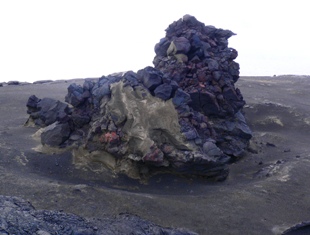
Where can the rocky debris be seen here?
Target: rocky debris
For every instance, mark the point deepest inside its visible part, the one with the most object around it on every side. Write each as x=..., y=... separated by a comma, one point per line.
x=198, y=58
x=269, y=170
x=18, y=216
x=183, y=116
x=52, y=115
x=46, y=111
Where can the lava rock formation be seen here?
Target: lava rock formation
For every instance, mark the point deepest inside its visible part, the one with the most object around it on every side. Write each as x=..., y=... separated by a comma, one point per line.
x=182, y=116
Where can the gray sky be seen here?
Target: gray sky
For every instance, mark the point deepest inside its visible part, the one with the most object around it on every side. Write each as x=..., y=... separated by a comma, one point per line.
x=63, y=39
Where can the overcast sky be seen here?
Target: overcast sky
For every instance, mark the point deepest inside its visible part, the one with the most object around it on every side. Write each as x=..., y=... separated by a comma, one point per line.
x=64, y=39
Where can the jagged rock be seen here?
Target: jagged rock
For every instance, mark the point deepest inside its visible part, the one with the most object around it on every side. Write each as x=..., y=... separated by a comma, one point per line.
x=209, y=70
x=102, y=88
x=204, y=101
x=150, y=77
x=183, y=116
x=80, y=119
x=163, y=91
x=55, y=134
x=47, y=111
x=178, y=46
x=213, y=65
x=18, y=216
x=211, y=149
x=162, y=47
x=75, y=95
x=32, y=104
x=181, y=98
x=208, y=77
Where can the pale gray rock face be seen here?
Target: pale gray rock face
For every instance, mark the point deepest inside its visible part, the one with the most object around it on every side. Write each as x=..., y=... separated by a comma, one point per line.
x=148, y=120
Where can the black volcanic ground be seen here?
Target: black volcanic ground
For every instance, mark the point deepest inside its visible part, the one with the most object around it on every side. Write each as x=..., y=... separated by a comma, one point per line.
x=266, y=192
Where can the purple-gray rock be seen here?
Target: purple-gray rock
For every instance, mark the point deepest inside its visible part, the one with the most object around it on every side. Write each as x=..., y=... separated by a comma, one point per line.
x=55, y=134
x=75, y=95
x=205, y=102
x=208, y=77
x=32, y=104
x=179, y=45
x=47, y=111
x=80, y=119
x=163, y=91
x=162, y=47
x=150, y=77
x=211, y=149
x=101, y=88
x=51, y=110
x=181, y=98
x=212, y=65
x=131, y=79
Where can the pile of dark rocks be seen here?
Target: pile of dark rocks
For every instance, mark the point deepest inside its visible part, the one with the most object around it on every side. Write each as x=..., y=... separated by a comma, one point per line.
x=18, y=216
x=198, y=58
x=183, y=116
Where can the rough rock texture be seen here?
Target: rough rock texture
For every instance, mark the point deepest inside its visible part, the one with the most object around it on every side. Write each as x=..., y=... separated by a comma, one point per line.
x=183, y=116
x=20, y=217
x=46, y=111
x=198, y=58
